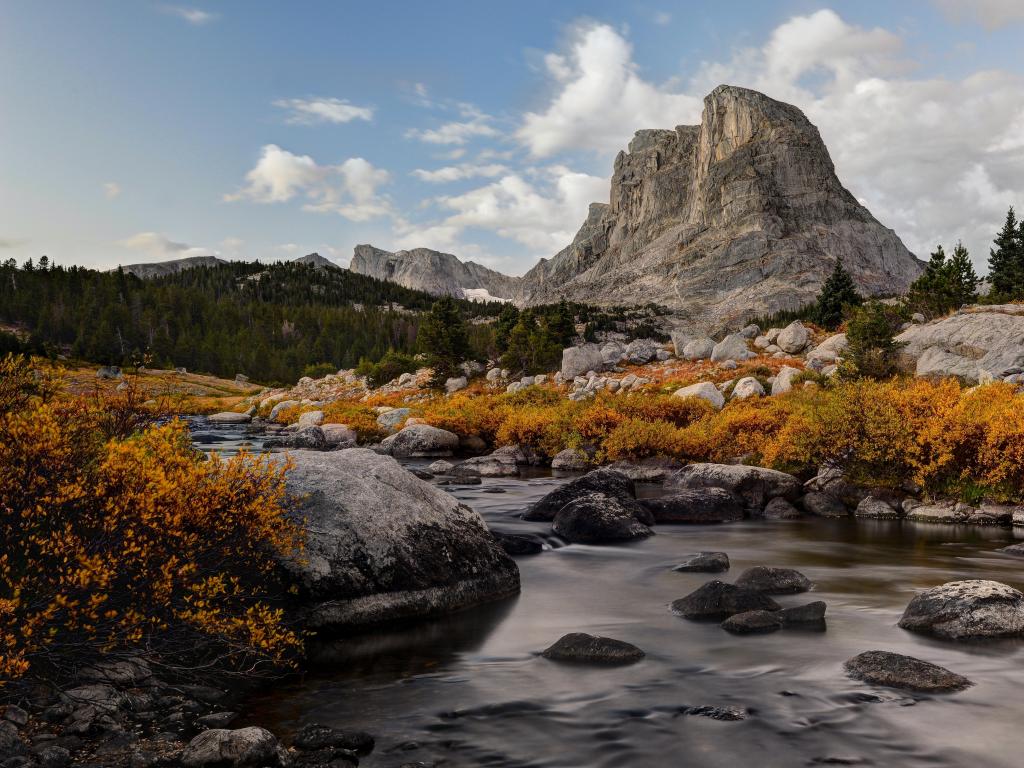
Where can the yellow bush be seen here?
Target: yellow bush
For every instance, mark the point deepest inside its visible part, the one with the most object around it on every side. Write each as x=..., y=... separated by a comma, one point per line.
x=118, y=543
x=357, y=416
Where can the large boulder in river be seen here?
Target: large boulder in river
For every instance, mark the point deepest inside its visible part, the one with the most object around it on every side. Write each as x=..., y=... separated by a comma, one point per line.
x=696, y=505
x=755, y=486
x=594, y=518
x=965, y=609
x=718, y=600
x=606, y=481
x=382, y=544
x=897, y=671
x=420, y=441
x=987, y=339
x=576, y=361
x=504, y=462
x=753, y=622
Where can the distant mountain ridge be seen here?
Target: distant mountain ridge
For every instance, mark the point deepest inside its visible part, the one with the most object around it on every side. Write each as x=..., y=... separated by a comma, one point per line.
x=162, y=268
x=440, y=274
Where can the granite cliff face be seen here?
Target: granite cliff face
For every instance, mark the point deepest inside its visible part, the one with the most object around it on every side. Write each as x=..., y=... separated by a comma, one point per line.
x=740, y=216
x=441, y=274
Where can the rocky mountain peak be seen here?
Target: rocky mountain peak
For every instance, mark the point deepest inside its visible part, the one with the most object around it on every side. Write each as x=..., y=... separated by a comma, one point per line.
x=739, y=216
x=441, y=274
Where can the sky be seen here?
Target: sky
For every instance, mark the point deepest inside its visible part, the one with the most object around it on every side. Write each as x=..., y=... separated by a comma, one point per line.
x=133, y=130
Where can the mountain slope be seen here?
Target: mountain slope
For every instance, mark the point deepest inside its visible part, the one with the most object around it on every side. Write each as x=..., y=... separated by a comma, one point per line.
x=440, y=274
x=742, y=215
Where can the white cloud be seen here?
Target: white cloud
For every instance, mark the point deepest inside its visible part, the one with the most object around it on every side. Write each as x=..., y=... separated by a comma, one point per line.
x=195, y=16
x=112, y=190
x=542, y=214
x=662, y=18
x=601, y=99
x=160, y=247
x=349, y=189
x=475, y=124
x=313, y=111
x=991, y=14
x=451, y=173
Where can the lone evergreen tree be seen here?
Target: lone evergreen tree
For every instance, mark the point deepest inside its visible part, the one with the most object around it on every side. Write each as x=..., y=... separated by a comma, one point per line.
x=872, y=351
x=963, y=280
x=1006, y=259
x=837, y=295
x=443, y=339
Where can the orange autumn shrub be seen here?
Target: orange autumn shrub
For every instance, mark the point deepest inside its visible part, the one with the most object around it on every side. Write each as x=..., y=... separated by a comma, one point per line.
x=357, y=416
x=133, y=544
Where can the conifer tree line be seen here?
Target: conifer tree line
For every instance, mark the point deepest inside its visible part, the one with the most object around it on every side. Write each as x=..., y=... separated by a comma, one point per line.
x=271, y=322
x=1006, y=260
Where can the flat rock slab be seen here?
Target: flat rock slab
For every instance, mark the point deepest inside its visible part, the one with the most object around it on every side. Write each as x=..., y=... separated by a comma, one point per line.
x=774, y=581
x=703, y=505
x=753, y=622
x=704, y=562
x=965, y=609
x=592, y=649
x=897, y=671
x=718, y=600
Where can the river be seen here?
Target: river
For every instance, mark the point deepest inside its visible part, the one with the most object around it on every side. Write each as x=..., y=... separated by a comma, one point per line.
x=469, y=690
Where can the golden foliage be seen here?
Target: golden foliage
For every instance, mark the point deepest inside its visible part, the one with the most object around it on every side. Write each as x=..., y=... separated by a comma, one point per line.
x=112, y=541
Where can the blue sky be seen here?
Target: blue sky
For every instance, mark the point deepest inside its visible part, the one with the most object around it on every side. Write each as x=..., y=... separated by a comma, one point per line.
x=140, y=131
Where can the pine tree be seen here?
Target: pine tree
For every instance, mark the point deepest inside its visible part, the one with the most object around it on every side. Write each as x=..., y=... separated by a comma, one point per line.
x=962, y=278
x=872, y=351
x=1006, y=259
x=503, y=327
x=443, y=339
x=838, y=294
x=932, y=292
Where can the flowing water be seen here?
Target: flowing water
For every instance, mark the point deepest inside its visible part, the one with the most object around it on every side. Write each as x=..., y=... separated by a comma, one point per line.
x=469, y=689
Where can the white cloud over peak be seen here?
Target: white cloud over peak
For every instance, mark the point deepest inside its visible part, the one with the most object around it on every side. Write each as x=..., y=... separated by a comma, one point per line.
x=194, y=16
x=600, y=98
x=349, y=189
x=160, y=247
x=112, y=190
x=991, y=14
x=313, y=111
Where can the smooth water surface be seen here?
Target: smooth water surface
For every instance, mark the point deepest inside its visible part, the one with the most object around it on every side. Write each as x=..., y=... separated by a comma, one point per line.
x=470, y=690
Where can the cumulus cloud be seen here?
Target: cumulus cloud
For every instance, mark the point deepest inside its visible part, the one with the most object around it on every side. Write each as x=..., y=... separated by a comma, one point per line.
x=349, y=189
x=112, y=190
x=451, y=173
x=542, y=212
x=12, y=242
x=314, y=111
x=600, y=98
x=160, y=247
x=474, y=124
x=991, y=14
x=194, y=16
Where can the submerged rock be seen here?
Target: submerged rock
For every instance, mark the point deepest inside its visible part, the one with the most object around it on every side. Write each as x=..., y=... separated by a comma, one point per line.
x=606, y=481
x=718, y=600
x=774, y=581
x=315, y=736
x=812, y=613
x=594, y=518
x=965, y=609
x=382, y=544
x=705, y=505
x=752, y=622
x=897, y=671
x=518, y=544
x=592, y=649
x=704, y=562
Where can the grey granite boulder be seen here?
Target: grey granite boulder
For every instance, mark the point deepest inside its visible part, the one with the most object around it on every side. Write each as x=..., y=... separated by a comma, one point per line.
x=718, y=600
x=699, y=349
x=229, y=417
x=420, y=441
x=793, y=338
x=732, y=347
x=695, y=505
x=704, y=562
x=241, y=748
x=774, y=581
x=755, y=486
x=594, y=518
x=606, y=481
x=382, y=544
x=966, y=609
x=592, y=649
x=576, y=361
x=705, y=390
x=752, y=622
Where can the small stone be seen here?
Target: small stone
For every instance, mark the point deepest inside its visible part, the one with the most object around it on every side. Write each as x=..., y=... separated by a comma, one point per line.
x=780, y=509
x=217, y=719
x=592, y=649
x=704, y=562
x=752, y=622
x=316, y=736
x=16, y=715
x=725, y=714
x=774, y=581
x=897, y=671
x=518, y=544
x=53, y=757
